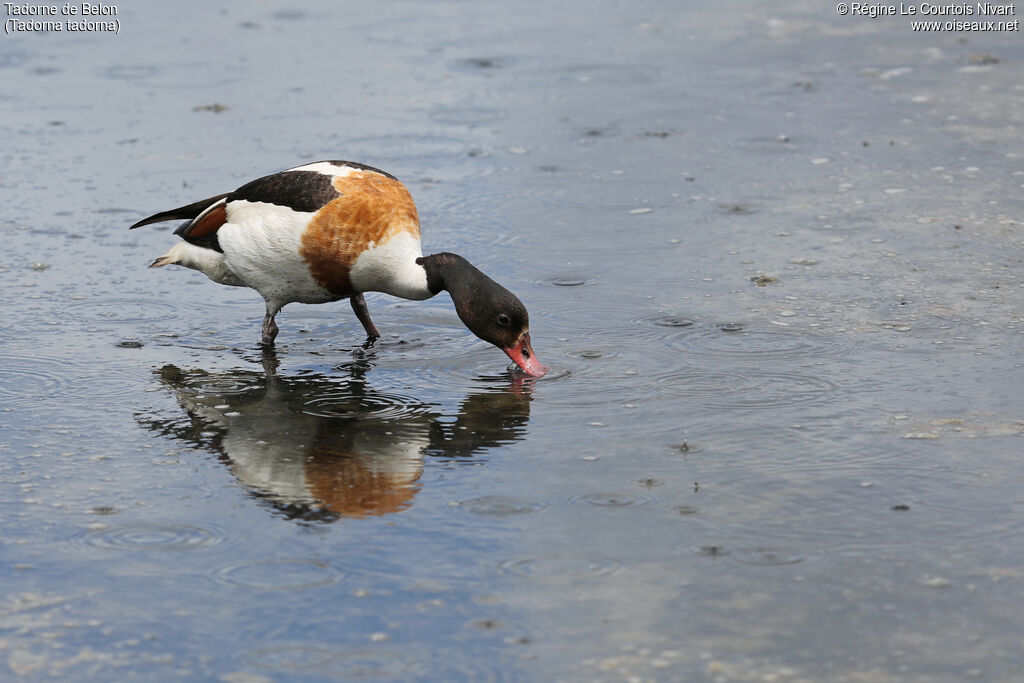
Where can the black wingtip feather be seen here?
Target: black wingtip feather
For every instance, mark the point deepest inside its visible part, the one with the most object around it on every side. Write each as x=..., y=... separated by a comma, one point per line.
x=187, y=212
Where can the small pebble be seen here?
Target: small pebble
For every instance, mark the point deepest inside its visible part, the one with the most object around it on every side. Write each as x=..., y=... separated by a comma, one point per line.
x=762, y=280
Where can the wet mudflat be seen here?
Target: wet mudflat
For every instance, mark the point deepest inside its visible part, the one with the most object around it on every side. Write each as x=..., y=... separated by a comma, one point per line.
x=772, y=255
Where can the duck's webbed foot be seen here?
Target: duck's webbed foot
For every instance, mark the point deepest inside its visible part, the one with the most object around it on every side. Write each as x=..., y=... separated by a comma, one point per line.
x=363, y=313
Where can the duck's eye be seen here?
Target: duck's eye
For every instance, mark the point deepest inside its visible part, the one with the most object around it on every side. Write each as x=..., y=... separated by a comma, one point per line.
x=503, y=319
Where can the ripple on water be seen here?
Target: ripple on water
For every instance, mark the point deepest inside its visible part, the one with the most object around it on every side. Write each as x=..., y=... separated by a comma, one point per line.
x=483, y=64
x=501, y=506
x=560, y=567
x=429, y=337
x=345, y=664
x=224, y=385
x=12, y=58
x=169, y=75
x=700, y=384
x=753, y=390
x=768, y=556
x=712, y=550
x=795, y=450
x=291, y=657
x=660, y=327
x=780, y=143
x=487, y=371
x=406, y=147
x=130, y=72
x=611, y=74
x=844, y=223
x=473, y=214
x=670, y=321
x=155, y=536
x=763, y=555
x=370, y=662
x=751, y=343
x=27, y=380
x=278, y=574
x=470, y=116
x=733, y=340
x=612, y=500
x=574, y=387
x=346, y=404
x=566, y=281
x=123, y=310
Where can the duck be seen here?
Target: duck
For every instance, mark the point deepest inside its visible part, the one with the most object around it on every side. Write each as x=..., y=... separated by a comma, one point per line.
x=332, y=230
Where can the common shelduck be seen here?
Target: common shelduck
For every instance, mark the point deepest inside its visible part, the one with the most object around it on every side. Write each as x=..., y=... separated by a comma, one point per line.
x=332, y=230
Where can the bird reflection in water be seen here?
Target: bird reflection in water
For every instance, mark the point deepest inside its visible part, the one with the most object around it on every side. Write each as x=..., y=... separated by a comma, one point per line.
x=319, y=448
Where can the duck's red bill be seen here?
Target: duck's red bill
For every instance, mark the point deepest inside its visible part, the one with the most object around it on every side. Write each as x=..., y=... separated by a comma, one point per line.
x=522, y=355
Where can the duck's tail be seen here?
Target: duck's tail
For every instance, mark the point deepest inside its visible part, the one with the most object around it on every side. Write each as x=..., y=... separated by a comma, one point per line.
x=187, y=212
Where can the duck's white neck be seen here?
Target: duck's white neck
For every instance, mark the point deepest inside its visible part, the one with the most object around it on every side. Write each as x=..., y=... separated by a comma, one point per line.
x=391, y=268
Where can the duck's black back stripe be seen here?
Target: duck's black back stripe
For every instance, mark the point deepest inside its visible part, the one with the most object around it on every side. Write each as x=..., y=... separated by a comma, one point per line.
x=361, y=167
x=298, y=190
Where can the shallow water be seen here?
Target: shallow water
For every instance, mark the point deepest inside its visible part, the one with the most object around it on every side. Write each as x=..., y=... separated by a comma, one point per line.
x=772, y=255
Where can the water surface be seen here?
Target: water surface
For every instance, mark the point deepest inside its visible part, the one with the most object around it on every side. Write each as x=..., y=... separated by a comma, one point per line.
x=772, y=255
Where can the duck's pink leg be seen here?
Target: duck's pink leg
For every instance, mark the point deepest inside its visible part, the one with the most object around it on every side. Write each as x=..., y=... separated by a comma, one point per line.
x=269, y=326
x=359, y=307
